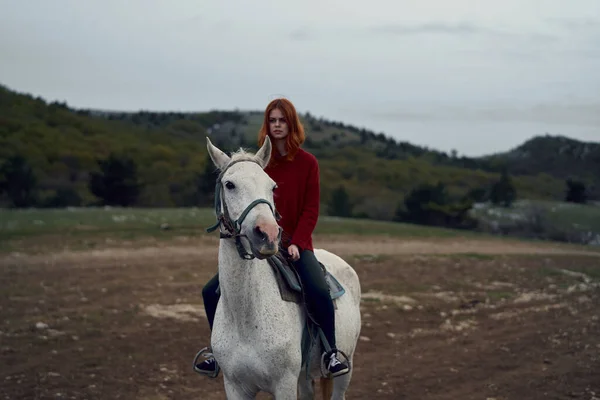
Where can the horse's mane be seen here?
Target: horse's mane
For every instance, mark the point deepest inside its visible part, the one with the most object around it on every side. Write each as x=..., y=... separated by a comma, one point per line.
x=242, y=155
x=237, y=156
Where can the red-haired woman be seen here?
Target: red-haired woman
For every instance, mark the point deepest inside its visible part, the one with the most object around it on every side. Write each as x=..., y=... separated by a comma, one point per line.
x=297, y=198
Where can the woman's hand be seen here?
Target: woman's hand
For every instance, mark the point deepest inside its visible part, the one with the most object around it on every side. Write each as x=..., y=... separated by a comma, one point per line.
x=294, y=252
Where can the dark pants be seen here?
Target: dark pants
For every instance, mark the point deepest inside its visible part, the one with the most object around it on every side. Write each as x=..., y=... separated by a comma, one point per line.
x=316, y=294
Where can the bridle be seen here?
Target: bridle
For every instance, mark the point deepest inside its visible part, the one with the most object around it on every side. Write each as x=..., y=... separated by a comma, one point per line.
x=233, y=227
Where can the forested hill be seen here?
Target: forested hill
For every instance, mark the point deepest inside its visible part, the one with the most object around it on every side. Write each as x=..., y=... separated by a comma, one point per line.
x=558, y=156
x=168, y=149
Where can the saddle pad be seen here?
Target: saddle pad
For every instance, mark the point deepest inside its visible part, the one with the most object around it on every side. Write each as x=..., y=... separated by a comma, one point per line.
x=335, y=288
x=284, y=271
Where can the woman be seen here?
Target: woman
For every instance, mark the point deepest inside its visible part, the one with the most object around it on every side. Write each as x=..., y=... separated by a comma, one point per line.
x=297, y=198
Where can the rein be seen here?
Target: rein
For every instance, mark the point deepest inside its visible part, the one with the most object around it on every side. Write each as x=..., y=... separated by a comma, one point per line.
x=233, y=227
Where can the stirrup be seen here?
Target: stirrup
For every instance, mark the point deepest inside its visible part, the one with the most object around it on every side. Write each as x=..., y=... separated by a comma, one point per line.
x=202, y=353
x=326, y=355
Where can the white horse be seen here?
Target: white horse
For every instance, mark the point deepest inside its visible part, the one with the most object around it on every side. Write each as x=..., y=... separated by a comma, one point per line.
x=256, y=337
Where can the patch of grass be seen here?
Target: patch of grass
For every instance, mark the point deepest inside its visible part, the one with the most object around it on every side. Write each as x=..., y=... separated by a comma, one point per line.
x=73, y=240
x=549, y=272
x=561, y=215
x=136, y=221
x=371, y=300
x=365, y=227
x=371, y=258
x=569, y=214
x=132, y=222
x=476, y=256
x=499, y=295
x=76, y=221
x=85, y=228
x=590, y=270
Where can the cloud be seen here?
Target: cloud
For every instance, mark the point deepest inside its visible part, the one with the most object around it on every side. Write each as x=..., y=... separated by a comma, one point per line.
x=576, y=24
x=192, y=19
x=463, y=28
x=301, y=34
x=459, y=29
x=540, y=37
x=533, y=55
x=586, y=114
x=585, y=54
x=394, y=115
x=559, y=114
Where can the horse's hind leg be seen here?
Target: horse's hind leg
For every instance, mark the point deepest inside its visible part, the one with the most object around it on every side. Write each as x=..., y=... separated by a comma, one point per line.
x=326, y=388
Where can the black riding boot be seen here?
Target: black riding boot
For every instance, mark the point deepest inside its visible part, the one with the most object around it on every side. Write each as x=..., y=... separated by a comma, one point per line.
x=320, y=305
x=209, y=366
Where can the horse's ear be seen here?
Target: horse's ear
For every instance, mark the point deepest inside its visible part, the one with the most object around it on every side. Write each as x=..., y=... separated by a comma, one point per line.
x=219, y=158
x=263, y=155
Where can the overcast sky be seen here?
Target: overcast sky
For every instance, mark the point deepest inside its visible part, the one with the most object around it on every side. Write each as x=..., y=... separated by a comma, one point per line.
x=477, y=76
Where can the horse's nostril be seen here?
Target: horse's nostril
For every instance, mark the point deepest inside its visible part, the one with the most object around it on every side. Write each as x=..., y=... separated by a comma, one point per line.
x=259, y=232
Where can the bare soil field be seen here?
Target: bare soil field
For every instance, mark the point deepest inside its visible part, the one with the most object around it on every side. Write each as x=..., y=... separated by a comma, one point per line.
x=442, y=319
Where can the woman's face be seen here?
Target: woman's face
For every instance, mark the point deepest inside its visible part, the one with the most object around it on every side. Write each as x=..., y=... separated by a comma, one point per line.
x=278, y=126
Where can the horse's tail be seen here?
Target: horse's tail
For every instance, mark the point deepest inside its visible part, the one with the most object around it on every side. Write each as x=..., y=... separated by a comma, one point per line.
x=326, y=388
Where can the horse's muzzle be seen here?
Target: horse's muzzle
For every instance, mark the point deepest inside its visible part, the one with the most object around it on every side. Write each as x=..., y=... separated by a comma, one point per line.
x=265, y=240
x=268, y=250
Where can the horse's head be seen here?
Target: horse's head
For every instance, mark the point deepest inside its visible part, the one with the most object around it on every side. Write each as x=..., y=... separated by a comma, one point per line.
x=244, y=200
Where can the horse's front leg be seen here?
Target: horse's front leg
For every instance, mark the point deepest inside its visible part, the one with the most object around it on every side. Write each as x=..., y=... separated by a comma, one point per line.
x=286, y=388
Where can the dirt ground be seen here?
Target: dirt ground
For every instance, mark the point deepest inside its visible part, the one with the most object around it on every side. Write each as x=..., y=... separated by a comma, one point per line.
x=442, y=319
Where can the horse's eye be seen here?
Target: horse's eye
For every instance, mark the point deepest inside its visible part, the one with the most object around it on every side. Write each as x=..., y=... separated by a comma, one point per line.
x=229, y=185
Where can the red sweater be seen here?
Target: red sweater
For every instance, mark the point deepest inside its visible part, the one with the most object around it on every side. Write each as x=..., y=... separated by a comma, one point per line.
x=297, y=197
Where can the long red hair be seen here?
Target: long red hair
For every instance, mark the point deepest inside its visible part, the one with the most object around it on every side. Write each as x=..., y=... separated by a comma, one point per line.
x=295, y=137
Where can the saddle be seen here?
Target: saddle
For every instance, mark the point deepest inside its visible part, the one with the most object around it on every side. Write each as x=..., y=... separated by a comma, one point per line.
x=289, y=283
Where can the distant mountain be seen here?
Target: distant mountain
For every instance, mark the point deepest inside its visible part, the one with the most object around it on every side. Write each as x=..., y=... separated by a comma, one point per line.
x=557, y=156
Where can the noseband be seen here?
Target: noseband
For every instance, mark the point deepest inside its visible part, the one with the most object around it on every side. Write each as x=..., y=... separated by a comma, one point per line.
x=233, y=228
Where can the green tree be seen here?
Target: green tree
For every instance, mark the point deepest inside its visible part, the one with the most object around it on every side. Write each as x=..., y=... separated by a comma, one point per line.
x=477, y=194
x=429, y=204
x=503, y=191
x=117, y=183
x=18, y=182
x=417, y=206
x=576, y=192
x=63, y=197
x=364, y=136
x=204, y=184
x=339, y=203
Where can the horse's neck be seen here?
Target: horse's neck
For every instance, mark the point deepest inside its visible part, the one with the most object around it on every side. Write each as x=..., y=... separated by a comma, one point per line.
x=248, y=287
